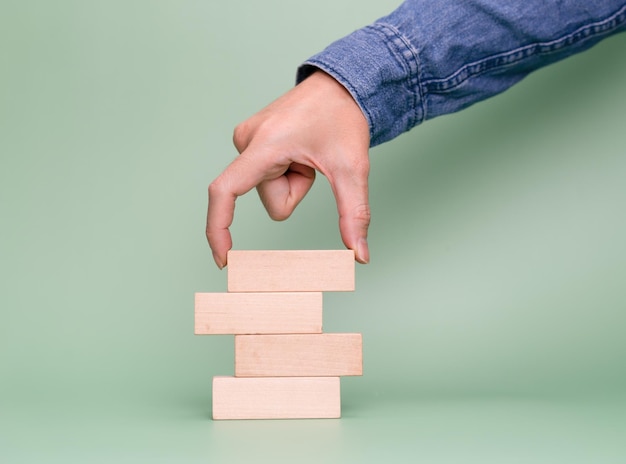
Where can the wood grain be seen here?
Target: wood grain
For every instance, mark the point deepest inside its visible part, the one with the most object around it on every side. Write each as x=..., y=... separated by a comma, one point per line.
x=276, y=398
x=298, y=355
x=291, y=270
x=258, y=313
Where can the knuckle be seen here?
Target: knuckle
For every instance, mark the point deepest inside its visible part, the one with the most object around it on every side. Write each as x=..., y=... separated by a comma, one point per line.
x=277, y=213
x=210, y=232
x=276, y=210
x=278, y=216
x=216, y=188
x=363, y=214
x=241, y=136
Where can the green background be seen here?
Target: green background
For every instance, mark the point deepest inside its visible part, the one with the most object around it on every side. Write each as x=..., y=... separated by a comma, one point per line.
x=493, y=310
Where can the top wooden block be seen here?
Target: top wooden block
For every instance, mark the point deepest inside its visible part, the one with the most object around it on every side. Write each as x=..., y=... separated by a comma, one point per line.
x=291, y=271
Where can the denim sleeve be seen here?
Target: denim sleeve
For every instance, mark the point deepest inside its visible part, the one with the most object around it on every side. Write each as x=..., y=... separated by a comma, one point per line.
x=433, y=57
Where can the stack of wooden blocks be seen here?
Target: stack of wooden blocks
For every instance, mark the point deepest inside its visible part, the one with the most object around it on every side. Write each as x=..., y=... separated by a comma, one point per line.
x=285, y=366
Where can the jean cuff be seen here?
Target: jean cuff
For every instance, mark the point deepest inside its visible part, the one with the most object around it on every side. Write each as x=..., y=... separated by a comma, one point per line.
x=380, y=70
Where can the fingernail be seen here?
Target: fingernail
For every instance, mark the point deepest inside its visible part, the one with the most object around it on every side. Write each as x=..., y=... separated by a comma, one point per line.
x=362, y=251
x=218, y=261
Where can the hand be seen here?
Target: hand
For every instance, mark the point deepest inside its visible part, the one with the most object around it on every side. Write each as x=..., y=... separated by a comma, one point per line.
x=316, y=126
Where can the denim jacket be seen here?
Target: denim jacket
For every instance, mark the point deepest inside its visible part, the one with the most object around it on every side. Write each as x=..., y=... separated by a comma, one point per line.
x=432, y=57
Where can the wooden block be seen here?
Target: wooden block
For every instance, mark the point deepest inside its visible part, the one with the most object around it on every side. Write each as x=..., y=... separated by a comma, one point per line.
x=291, y=271
x=276, y=398
x=323, y=355
x=258, y=313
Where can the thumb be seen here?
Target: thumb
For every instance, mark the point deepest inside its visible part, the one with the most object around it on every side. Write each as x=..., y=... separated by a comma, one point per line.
x=351, y=194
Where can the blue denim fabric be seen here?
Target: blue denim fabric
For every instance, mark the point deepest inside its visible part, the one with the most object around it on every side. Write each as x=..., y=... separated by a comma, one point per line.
x=433, y=57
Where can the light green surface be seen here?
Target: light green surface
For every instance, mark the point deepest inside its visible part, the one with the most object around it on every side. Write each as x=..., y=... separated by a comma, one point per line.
x=493, y=311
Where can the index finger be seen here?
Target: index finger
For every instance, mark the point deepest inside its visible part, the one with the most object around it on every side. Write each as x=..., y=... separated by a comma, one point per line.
x=241, y=176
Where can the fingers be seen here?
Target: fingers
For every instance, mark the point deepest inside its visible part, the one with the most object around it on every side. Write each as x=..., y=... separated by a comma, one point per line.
x=281, y=188
x=281, y=195
x=317, y=125
x=243, y=174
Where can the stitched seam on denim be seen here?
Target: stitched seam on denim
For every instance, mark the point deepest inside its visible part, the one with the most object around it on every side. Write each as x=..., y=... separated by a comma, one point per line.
x=406, y=56
x=346, y=83
x=513, y=57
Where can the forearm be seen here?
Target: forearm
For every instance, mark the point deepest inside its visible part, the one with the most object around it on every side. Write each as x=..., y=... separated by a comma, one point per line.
x=430, y=58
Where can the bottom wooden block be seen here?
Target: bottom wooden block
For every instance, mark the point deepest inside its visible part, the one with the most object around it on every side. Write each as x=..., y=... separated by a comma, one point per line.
x=276, y=398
